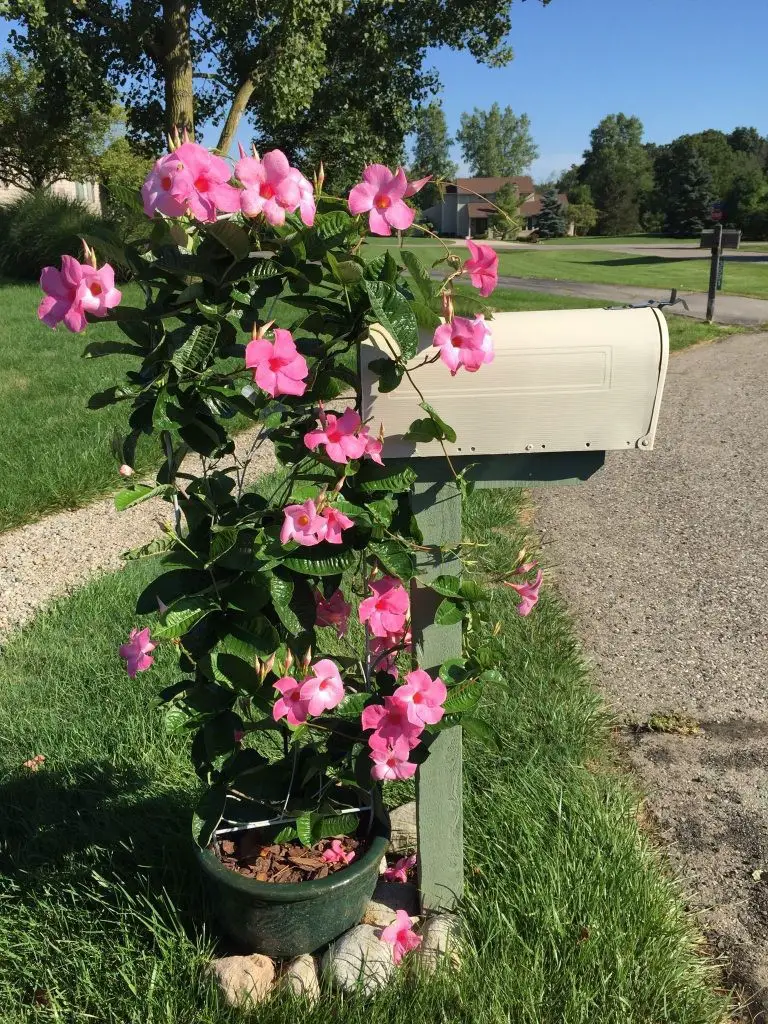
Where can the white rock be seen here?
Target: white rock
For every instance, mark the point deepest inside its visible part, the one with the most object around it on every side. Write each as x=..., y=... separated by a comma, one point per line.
x=301, y=978
x=387, y=899
x=244, y=979
x=359, y=961
x=438, y=944
x=404, y=835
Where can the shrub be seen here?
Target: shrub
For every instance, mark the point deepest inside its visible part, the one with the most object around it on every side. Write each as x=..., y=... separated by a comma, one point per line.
x=36, y=229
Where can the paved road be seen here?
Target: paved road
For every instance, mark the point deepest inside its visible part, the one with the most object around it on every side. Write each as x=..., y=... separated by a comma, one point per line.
x=663, y=558
x=729, y=309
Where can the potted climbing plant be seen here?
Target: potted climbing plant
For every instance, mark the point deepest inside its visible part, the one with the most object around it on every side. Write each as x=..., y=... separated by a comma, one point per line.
x=287, y=604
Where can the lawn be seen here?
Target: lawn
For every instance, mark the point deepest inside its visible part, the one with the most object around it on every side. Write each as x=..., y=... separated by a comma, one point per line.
x=571, y=920
x=607, y=267
x=64, y=459
x=621, y=240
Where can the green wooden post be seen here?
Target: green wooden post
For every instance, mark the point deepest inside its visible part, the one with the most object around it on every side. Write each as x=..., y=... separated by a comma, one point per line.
x=439, y=810
x=436, y=504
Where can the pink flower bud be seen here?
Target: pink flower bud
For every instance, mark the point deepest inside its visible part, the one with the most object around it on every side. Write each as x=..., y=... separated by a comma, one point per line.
x=125, y=471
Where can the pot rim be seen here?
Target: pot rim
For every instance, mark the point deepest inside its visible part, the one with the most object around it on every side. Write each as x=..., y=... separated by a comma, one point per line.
x=295, y=892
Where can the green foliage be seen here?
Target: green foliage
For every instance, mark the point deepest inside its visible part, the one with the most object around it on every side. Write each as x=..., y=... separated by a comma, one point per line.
x=36, y=229
x=618, y=171
x=431, y=153
x=496, y=142
x=236, y=603
x=508, y=222
x=687, y=189
x=45, y=134
x=551, y=222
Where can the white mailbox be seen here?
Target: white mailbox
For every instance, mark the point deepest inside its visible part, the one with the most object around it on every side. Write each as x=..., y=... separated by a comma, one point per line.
x=561, y=381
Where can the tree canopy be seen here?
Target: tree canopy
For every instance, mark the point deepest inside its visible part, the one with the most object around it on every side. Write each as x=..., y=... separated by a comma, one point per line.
x=618, y=171
x=496, y=142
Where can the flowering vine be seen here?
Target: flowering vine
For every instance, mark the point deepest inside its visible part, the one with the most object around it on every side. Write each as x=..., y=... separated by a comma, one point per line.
x=251, y=586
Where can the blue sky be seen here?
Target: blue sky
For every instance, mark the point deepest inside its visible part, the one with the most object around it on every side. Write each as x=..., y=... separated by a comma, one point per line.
x=679, y=65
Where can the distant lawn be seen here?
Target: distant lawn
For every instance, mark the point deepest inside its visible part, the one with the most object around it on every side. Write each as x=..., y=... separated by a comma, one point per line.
x=621, y=240
x=608, y=267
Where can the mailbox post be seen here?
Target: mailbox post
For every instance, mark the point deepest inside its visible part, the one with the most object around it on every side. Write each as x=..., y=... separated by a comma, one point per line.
x=564, y=387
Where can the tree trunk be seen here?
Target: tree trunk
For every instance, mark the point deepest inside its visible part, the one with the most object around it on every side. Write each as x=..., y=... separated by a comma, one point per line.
x=177, y=67
x=236, y=111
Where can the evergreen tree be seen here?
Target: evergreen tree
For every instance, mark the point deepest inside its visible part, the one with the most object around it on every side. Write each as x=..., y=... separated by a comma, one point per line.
x=618, y=170
x=551, y=222
x=689, y=190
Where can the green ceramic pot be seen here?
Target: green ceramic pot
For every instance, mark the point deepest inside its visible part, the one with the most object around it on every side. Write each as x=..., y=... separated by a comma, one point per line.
x=286, y=919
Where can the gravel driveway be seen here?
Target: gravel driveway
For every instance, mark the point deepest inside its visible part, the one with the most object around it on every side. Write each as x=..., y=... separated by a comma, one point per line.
x=663, y=558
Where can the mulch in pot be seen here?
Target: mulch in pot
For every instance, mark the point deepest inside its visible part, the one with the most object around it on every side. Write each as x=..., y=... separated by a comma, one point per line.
x=283, y=862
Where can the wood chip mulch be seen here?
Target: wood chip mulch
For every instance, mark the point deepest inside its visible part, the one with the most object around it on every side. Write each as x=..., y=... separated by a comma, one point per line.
x=284, y=862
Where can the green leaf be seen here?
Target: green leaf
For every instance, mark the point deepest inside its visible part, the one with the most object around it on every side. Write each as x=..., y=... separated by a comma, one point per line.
x=314, y=563
x=448, y=586
x=256, y=637
x=182, y=615
x=446, y=432
x=158, y=546
x=393, y=311
x=338, y=825
x=97, y=349
x=263, y=269
x=304, y=829
x=352, y=705
x=332, y=225
x=249, y=596
x=286, y=835
x=281, y=591
x=373, y=479
x=395, y=558
x=421, y=280
x=422, y=431
x=473, y=592
x=195, y=345
x=463, y=698
x=453, y=671
x=389, y=372
x=426, y=317
x=219, y=734
x=137, y=493
x=223, y=539
x=208, y=814
x=448, y=613
x=494, y=677
x=233, y=238
x=482, y=731
x=172, y=585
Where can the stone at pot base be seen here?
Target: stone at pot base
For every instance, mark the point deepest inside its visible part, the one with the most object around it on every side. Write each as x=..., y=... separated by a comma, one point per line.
x=439, y=945
x=359, y=961
x=403, y=833
x=301, y=979
x=387, y=899
x=244, y=979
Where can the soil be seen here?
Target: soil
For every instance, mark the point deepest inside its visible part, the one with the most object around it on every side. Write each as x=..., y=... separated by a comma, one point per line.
x=284, y=862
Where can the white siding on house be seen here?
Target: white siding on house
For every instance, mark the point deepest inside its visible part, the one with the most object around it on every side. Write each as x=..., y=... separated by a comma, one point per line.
x=87, y=192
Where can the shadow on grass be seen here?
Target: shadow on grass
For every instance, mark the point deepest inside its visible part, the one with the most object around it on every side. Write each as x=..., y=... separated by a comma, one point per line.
x=99, y=821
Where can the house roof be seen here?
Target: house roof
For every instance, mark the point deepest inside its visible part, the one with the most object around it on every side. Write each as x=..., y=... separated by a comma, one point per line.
x=532, y=207
x=523, y=183
x=480, y=210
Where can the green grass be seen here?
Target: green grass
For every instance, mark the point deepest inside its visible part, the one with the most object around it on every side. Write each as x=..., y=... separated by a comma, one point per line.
x=621, y=240
x=600, y=266
x=570, y=919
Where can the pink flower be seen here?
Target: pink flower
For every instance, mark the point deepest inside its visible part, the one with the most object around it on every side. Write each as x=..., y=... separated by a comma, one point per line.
x=167, y=180
x=399, y=873
x=291, y=706
x=373, y=447
x=335, y=854
x=390, y=721
x=483, y=268
x=386, y=611
x=335, y=523
x=75, y=290
x=416, y=186
x=273, y=187
x=464, y=342
x=279, y=368
x=385, y=649
x=339, y=434
x=390, y=759
x=137, y=652
x=332, y=611
x=190, y=180
x=423, y=697
x=324, y=690
x=381, y=192
x=125, y=470
x=529, y=592
x=401, y=935
x=302, y=524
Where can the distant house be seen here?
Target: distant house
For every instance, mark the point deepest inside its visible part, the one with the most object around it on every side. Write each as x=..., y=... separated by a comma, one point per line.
x=464, y=210
x=85, y=191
